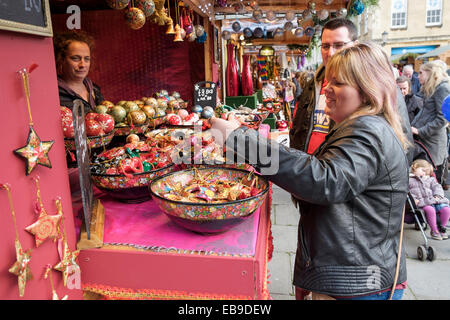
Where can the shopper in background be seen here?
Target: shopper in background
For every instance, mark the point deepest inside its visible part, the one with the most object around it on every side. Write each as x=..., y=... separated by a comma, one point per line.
x=408, y=71
x=429, y=125
x=353, y=189
x=413, y=103
x=73, y=60
x=429, y=196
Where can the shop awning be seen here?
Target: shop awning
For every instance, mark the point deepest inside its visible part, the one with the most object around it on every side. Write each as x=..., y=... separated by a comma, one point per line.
x=416, y=49
x=434, y=53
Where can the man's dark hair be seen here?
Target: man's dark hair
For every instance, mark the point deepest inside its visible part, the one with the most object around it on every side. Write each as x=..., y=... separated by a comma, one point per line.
x=336, y=23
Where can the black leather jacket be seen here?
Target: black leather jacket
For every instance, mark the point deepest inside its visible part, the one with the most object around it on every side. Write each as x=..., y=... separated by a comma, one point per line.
x=352, y=193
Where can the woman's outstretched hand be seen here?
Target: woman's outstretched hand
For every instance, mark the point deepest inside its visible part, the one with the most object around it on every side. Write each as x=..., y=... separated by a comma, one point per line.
x=221, y=128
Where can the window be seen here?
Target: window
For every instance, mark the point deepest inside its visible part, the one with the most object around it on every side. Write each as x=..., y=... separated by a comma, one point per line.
x=399, y=9
x=434, y=13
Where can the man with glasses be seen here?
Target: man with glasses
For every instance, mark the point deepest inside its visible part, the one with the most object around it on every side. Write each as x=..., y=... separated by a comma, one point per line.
x=310, y=123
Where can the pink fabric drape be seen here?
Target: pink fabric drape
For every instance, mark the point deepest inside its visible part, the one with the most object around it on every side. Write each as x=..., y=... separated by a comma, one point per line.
x=247, y=81
x=232, y=73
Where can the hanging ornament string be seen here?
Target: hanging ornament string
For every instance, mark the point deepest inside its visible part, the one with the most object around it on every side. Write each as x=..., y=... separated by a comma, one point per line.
x=21, y=267
x=26, y=83
x=6, y=186
x=48, y=273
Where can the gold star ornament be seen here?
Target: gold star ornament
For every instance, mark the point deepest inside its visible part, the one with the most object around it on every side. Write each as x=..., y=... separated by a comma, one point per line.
x=21, y=267
x=35, y=152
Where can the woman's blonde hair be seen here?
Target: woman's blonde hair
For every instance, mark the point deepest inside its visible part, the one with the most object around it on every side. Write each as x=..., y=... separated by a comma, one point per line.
x=366, y=67
x=420, y=163
x=437, y=75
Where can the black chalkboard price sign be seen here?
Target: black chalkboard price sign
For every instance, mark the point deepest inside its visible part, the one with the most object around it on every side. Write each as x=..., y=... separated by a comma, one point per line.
x=83, y=161
x=29, y=16
x=205, y=94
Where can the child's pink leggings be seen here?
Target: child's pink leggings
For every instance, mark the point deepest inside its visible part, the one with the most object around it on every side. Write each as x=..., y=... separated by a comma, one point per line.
x=430, y=213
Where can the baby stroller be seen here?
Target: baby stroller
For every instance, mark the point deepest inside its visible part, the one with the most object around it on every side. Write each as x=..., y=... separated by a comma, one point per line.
x=415, y=215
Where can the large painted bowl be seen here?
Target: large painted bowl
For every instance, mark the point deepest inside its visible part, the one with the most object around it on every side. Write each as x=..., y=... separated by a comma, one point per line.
x=126, y=189
x=206, y=217
x=93, y=142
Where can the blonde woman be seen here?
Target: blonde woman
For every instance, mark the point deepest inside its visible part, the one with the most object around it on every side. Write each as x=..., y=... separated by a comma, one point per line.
x=429, y=125
x=353, y=188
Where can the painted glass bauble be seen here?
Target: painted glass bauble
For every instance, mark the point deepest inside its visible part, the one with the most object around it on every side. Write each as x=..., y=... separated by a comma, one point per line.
x=299, y=32
x=199, y=30
x=226, y=35
x=323, y=14
x=135, y=18
x=236, y=26
x=247, y=32
x=309, y=31
x=288, y=26
x=270, y=15
x=258, y=32
x=117, y=4
x=358, y=7
x=290, y=15
x=257, y=14
x=341, y=13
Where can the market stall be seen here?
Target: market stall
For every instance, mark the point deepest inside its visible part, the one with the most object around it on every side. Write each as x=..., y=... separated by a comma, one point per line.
x=130, y=218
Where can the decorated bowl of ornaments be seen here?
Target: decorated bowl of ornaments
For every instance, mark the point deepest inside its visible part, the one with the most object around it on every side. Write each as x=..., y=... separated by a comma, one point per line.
x=209, y=200
x=125, y=172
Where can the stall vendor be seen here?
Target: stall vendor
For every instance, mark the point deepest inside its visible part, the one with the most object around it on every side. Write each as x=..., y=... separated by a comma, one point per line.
x=73, y=60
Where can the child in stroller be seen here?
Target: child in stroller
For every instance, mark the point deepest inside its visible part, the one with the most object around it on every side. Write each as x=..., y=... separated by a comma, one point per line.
x=429, y=196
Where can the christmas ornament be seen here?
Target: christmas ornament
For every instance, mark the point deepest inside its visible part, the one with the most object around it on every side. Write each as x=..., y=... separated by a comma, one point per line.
x=257, y=14
x=309, y=31
x=278, y=32
x=21, y=267
x=35, y=151
x=68, y=265
x=307, y=14
x=270, y=15
x=327, y=2
x=202, y=38
x=323, y=14
x=117, y=4
x=254, y=5
x=318, y=29
x=236, y=26
x=46, y=226
x=191, y=37
x=299, y=32
x=147, y=6
x=288, y=26
x=48, y=272
x=226, y=35
x=258, y=32
x=247, y=32
x=289, y=16
x=135, y=18
x=222, y=3
x=239, y=7
x=199, y=30
x=357, y=7
x=341, y=13
x=311, y=5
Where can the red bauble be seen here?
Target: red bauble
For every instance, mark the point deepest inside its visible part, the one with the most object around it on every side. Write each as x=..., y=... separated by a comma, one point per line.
x=175, y=120
x=106, y=122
